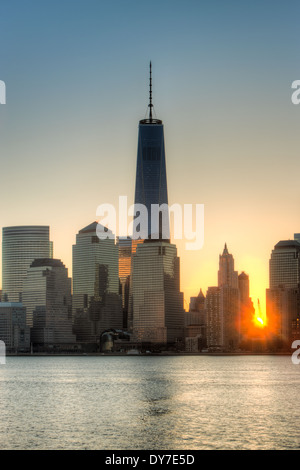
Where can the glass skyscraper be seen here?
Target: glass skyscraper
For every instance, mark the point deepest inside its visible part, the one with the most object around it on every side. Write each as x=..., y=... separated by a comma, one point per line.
x=283, y=296
x=156, y=313
x=151, y=175
x=20, y=246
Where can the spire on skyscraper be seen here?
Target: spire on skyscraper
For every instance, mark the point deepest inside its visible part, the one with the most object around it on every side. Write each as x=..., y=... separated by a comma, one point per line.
x=150, y=119
x=150, y=94
x=225, y=251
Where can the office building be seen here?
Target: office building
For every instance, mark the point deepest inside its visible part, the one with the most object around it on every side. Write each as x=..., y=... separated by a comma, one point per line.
x=158, y=314
x=97, y=303
x=283, y=295
x=215, y=324
x=285, y=264
x=20, y=246
x=48, y=302
x=13, y=329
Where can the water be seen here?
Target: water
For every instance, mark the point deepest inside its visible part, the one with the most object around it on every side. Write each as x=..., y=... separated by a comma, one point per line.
x=153, y=403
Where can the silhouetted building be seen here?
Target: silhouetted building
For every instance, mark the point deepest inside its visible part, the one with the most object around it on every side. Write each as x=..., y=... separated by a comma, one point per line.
x=215, y=324
x=246, y=306
x=20, y=246
x=196, y=323
x=48, y=302
x=223, y=306
x=297, y=237
x=227, y=276
x=97, y=304
x=125, y=252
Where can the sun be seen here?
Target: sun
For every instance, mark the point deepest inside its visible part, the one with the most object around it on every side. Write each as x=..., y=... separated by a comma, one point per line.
x=259, y=321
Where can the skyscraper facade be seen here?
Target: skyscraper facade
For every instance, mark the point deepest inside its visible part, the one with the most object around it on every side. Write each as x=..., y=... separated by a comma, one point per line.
x=20, y=246
x=156, y=313
x=297, y=237
x=285, y=264
x=97, y=304
x=283, y=295
x=151, y=175
x=48, y=302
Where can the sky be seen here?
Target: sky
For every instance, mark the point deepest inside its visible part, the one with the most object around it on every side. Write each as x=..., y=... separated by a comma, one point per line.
x=76, y=75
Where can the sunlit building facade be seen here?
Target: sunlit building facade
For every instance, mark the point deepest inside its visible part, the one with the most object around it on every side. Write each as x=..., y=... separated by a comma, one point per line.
x=20, y=246
x=97, y=303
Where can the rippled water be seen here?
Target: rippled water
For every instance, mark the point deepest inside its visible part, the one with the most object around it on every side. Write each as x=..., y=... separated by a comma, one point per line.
x=154, y=403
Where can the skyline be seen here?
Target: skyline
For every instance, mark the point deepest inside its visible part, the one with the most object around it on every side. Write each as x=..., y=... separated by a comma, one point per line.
x=69, y=128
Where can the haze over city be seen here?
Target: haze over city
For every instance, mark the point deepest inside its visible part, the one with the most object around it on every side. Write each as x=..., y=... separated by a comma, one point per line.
x=77, y=85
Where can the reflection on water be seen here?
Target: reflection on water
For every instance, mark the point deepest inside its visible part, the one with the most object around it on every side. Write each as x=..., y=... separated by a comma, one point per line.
x=155, y=403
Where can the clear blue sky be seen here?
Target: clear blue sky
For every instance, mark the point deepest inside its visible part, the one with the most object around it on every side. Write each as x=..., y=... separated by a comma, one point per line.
x=77, y=75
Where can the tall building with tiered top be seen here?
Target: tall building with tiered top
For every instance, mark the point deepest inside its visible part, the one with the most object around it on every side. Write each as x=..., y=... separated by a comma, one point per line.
x=223, y=306
x=227, y=276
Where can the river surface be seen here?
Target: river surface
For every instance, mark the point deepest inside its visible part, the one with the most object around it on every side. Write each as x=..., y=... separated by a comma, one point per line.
x=152, y=403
